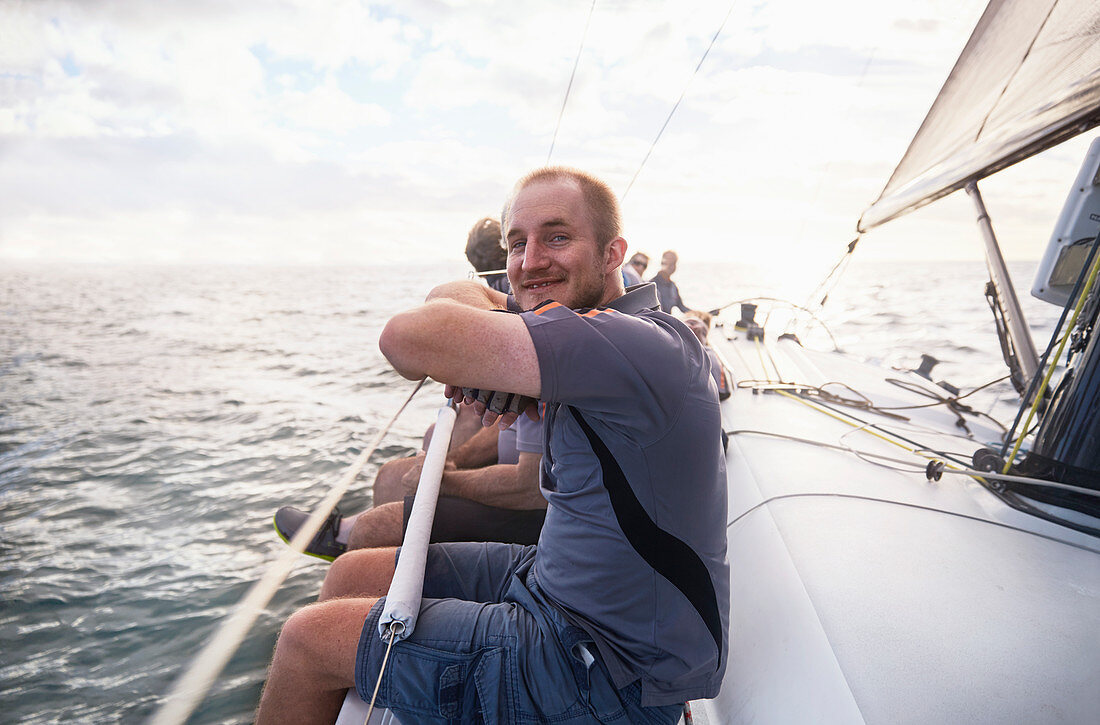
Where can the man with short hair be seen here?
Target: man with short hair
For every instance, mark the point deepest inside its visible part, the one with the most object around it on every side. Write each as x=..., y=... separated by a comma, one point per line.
x=667, y=291
x=621, y=611
x=484, y=252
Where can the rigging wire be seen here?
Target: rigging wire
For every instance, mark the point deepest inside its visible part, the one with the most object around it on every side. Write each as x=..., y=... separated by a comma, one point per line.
x=913, y=466
x=952, y=402
x=897, y=439
x=828, y=165
x=394, y=628
x=678, y=100
x=788, y=303
x=1054, y=363
x=569, y=87
x=889, y=436
x=906, y=385
x=834, y=275
x=190, y=689
x=827, y=285
x=1046, y=354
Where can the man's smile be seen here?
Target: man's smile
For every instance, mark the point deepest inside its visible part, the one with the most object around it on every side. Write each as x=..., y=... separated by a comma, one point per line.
x=540, y=283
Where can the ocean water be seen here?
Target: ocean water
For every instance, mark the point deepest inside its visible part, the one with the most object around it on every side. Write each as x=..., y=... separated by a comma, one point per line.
x=152, y=419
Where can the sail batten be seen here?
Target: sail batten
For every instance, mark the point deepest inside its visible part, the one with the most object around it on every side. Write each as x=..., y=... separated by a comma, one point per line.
x=1028, y=79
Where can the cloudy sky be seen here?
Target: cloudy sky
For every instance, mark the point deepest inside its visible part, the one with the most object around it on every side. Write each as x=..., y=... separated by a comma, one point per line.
x=293, y=131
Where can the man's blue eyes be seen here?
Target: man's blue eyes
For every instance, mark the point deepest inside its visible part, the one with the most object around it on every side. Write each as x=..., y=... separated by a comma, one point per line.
x=556, y=238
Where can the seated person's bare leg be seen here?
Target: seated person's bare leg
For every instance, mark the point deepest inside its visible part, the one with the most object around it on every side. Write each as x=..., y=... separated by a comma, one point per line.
x=360, y=573
x=314, y=663
x=314, y=660
x=389, y=485
x=380, y=526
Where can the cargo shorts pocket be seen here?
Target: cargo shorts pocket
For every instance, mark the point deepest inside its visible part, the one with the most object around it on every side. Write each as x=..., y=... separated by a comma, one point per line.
x=443, y=686
x=610, y=705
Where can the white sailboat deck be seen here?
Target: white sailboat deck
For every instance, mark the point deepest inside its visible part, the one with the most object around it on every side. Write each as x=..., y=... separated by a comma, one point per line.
x=863, y=592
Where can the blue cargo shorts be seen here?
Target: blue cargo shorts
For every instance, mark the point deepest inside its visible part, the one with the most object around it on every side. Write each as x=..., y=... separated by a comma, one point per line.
x=488, y=647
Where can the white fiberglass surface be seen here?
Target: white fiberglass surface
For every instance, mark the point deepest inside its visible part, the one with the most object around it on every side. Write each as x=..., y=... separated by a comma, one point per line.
x=781, y=666
x=841, y=460
x=939, y=618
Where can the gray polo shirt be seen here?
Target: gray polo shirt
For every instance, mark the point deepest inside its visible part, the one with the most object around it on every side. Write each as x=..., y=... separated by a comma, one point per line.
x=528, y=434
x=507, y=452
x=634, y=545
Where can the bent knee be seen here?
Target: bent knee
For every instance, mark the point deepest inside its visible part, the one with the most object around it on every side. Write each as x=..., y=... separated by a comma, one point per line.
x=303, y=631
x=359, y=573
x=379, y=527
x=321, y=639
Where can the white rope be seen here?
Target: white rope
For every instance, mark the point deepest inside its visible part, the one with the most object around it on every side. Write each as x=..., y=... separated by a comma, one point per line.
x=190, y=689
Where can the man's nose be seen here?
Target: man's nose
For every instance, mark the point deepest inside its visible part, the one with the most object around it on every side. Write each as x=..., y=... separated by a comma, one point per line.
x=534, y=255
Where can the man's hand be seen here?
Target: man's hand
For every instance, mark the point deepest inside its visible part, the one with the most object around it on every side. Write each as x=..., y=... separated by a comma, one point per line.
x=470, y=293
x=411, y=480
x=494, y=406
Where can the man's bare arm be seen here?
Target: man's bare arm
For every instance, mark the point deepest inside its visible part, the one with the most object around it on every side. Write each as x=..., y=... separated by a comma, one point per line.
x=480, y=450
x=455, y=338
x=510, y=486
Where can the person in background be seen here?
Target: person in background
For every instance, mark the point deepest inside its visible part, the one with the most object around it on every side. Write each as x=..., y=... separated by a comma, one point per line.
x=667, y=292
x=485, y=253
x=634, y=269
x=496, y=500
x=476, y=454
x=699, y=323
x=639, y=262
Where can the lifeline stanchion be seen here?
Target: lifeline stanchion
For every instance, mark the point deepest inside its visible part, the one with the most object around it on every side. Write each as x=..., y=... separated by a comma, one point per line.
x=398, y=618
x=190, y=689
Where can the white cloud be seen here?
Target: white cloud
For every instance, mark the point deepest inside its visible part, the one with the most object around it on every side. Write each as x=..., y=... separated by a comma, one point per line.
x=327, y=108
x=354, y=130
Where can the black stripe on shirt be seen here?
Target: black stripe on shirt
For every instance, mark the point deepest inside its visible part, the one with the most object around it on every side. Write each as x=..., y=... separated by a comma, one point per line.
x=669, y=556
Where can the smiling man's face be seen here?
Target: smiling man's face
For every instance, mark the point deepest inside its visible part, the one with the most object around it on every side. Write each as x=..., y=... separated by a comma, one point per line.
x=553, y=253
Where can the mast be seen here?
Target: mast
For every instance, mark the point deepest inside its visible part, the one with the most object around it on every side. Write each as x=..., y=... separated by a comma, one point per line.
x=1023, y=351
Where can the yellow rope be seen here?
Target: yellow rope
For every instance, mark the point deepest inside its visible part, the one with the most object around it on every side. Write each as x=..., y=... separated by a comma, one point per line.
x=764, y=365
x=1053, y=364
x=863, y=427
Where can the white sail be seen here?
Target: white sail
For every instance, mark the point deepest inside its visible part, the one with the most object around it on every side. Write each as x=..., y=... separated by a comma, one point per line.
x=1028, y=79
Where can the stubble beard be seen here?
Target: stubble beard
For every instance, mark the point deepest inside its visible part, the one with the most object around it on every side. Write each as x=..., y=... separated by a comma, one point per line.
x=589, y=296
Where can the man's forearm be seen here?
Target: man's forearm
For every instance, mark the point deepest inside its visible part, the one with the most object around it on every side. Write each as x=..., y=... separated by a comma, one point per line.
x=462, y=345
x=500, y=485
x=480, y=450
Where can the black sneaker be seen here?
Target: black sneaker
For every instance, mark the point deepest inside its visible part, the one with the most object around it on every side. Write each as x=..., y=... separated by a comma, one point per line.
x=324, y=545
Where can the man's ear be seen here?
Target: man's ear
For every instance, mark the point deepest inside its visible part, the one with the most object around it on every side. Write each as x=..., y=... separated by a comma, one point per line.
x=616, y=253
